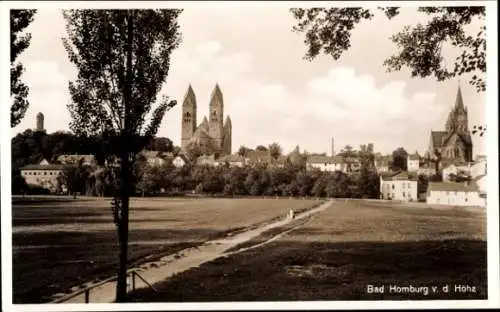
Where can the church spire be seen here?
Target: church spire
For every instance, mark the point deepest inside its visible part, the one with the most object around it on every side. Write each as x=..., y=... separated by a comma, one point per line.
x=216, y=92
x=459, y=103
x=190, y=97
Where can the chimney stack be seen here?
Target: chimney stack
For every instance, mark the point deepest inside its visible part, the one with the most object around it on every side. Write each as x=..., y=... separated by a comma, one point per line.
x=333, y=148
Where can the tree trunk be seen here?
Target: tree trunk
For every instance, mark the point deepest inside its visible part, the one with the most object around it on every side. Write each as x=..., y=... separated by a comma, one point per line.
x=121, y=285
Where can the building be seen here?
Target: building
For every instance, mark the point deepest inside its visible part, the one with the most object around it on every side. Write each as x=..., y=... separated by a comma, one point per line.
x=413, y=162
x=211, y=133
x=454, y=194
x=206, y=160
x=427, y=170
x=456, y=169
x=398, y=186
x=155, y=158
x=382, y=163
x=39, y=122
x=326, y=163
x=43, y=174
x=88, y=160
x=455, y=142
x=231, y=160
x=179, y=161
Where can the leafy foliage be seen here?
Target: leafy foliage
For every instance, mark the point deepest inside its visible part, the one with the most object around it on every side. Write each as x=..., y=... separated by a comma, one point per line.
x=19, y=41
x=420, y=47
x=74, y=177
x=399, y=159
x=275, y=150
x=243, y=150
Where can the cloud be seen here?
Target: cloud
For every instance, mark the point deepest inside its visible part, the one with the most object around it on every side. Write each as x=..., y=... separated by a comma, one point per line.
x=340, y=103
x=48, y=93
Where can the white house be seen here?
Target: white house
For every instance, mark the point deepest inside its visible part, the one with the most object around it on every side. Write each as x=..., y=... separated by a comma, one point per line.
x=398, y=186
x=326, y=163
x=413, y=163
x=454, y=194
x=179, y=161
x=43, y=174
x=455, y=169
x=232, y=160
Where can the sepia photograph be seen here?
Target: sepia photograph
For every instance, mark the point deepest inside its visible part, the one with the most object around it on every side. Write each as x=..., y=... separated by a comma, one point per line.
x=223, y=154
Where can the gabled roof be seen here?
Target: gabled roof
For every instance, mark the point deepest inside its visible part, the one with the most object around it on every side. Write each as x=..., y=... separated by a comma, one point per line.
x=452, y=187
x=465, y=138
x=43, y=167
x=231, y=158
x=203, y=125
x=398, y=176
x=413, y=157
x=320, y=159
x=437, y=138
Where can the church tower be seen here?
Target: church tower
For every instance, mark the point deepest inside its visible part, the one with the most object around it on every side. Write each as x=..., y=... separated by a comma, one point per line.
x=188, y=117
x=216, y=114
x=39, y=122
x=458, y=117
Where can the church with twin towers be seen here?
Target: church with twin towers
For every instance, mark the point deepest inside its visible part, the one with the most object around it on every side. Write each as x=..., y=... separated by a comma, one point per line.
x=213, y=133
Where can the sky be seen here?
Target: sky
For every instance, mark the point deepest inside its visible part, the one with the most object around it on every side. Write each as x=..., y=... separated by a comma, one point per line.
x=270, y=92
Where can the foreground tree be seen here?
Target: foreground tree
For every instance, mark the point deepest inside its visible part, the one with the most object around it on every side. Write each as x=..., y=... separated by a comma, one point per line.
x=275, y=150
x=123, y=58
x=243, y=151
x=19, y=41
x=399, y=159
x=74, y=178
x=328, y=31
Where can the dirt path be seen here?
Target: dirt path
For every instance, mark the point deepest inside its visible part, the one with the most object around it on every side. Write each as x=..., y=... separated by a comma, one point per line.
x=168, y=266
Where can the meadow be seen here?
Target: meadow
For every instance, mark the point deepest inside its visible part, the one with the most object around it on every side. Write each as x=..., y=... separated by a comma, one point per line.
x=342, y=253
x=60, y=244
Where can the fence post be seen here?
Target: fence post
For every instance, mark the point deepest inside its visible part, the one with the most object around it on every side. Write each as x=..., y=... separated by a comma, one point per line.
x=133, y=280
x=87, y=296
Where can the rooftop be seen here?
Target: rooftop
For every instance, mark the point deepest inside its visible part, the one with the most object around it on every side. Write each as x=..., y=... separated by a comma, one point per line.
x=43, y=167
x=398, y=176
x=452, y=187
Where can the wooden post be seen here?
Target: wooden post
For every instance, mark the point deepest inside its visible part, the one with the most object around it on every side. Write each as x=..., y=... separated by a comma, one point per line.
x=87, y=296
x=133, y=280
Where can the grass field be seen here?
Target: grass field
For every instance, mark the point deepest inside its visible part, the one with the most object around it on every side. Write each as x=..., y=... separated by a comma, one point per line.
x=60, y=244
x=342, y=250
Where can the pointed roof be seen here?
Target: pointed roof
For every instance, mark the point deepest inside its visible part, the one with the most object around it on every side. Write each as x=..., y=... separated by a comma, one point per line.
x=216, y=93
x=227, y=122
x=459, y=103
x=204, y=124
x=190, y=96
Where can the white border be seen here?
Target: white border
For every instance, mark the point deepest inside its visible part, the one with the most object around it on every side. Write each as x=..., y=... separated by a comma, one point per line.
x=492, y=154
